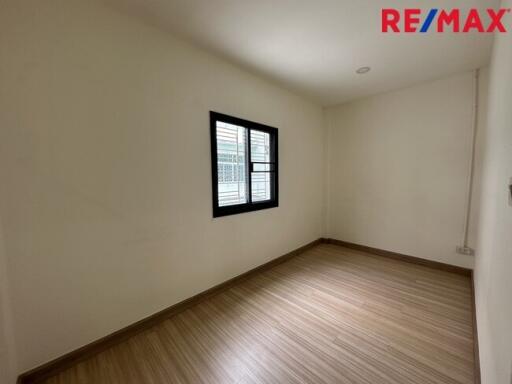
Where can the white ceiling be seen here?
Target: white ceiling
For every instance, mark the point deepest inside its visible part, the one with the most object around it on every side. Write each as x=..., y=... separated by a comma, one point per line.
x=314, y=46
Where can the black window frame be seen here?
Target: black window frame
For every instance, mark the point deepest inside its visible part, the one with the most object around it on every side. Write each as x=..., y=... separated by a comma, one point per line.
x=250, y=206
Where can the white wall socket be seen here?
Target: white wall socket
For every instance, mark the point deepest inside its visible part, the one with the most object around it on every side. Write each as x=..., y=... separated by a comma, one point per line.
x=466, y=251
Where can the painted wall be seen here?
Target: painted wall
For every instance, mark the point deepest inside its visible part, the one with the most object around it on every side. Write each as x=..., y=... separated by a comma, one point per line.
x=494, y=232
x=105, y=172
x=398, y=169
x=7, y=345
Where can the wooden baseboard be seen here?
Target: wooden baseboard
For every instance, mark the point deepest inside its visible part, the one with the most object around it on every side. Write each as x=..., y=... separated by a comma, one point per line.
x=62, y=363
x=402, y=257
x=478, y=377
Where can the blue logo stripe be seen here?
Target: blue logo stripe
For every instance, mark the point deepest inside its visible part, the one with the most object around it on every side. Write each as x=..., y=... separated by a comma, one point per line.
x=428, y=20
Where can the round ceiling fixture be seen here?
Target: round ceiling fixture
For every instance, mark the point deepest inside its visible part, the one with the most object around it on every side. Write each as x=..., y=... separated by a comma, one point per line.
x=363, y=70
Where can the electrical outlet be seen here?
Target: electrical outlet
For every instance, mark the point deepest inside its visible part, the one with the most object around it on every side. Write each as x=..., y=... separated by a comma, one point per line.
x=466, y=251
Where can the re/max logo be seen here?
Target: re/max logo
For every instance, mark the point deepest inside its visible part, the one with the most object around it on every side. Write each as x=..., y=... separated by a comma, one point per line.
x=412, y=21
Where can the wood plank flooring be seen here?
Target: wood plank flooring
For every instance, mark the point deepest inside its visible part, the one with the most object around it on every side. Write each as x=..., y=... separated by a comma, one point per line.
x=329, y=315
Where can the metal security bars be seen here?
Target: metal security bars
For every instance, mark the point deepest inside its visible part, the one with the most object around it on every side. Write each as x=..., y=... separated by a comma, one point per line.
x=244, y=165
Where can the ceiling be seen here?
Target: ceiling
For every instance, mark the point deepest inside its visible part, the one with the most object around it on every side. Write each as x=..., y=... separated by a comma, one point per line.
x=314, y=47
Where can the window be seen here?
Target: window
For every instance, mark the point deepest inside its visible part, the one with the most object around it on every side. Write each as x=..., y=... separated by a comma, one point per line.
x=244, y=165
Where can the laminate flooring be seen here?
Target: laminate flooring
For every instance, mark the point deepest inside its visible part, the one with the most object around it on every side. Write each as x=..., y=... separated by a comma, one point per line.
x=328, y=315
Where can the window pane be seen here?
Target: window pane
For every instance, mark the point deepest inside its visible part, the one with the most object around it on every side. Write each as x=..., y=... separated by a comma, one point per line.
x=260, y=152
x=231, y=164
x=260, y=147
x=261, y=186
x=262, y=167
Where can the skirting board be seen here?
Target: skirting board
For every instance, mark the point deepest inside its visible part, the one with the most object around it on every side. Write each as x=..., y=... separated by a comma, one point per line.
x=430, y=264
x=62, y=363
x=476, y=350
x=399, y=256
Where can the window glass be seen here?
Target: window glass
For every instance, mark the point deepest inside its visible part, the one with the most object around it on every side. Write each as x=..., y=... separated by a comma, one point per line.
x=231, y=164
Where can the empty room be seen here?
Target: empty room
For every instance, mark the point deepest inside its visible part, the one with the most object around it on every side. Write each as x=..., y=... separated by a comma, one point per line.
x=255, y=191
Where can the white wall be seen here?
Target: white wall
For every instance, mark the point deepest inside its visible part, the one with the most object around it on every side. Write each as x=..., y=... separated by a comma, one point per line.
x=105, y=172
x=399, y=166
x=7, y=347
x=494, y=232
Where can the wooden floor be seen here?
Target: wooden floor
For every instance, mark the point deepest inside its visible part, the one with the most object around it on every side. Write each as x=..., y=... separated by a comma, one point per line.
x=329, y=315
